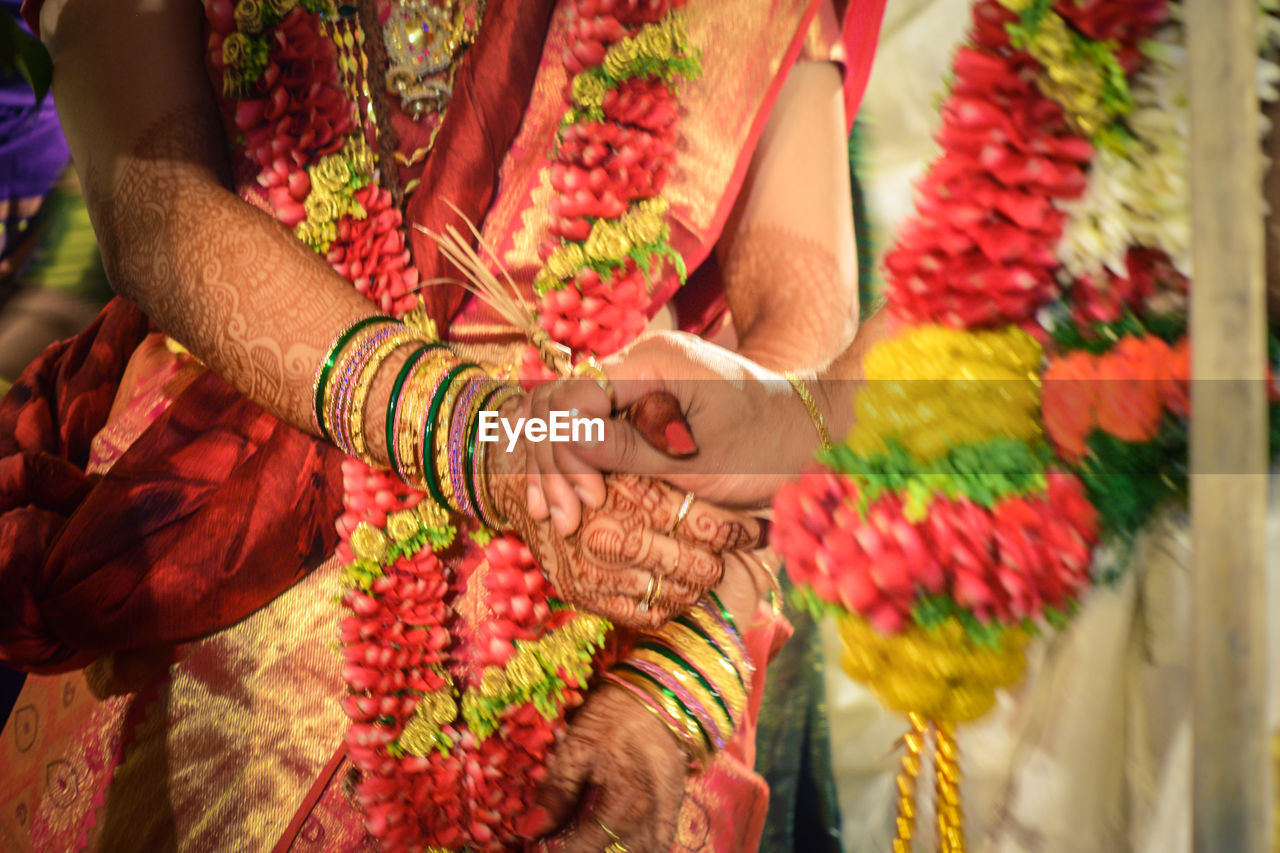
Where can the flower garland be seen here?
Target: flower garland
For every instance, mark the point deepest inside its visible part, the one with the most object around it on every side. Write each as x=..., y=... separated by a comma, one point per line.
x=607, y=249
x=947, y=529
x=461, y=666
x=963, y=509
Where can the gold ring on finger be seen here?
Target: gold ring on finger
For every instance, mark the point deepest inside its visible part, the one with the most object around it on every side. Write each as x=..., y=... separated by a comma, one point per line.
x=651, y=593
x=616, y=845
x=682, y=513
x=589, y=368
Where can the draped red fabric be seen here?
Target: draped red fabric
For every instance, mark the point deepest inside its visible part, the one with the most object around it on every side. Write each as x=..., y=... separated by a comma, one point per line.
x=216, y=510
x=493, y=82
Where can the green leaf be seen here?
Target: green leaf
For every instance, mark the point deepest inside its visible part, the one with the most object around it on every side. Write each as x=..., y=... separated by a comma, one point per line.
x=22, y=53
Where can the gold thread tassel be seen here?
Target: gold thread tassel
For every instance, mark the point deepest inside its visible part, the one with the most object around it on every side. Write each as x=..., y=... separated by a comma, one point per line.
x=946, y=767
x=908, y=776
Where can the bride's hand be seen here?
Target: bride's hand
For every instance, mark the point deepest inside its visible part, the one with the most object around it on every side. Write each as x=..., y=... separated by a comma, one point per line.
x=751, y=430
x=616, y=778
x=627, y=545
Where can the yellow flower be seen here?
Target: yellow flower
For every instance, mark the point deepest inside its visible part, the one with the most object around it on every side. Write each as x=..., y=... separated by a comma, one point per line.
x=248, y=16
x=322, y=206
x=642, y=227
x=368, y=542
x=566, y=261
x=620, y=57
x=607, y=242
x=403, y=525
x=657, y=205
x=318, y=235
x=280, y=8
x=655, y=42
x=934, y=387
x=234, y=49
x=936, y=672
x=494, y=683
x=588, y=91
x=331, y=174
x=523, y=669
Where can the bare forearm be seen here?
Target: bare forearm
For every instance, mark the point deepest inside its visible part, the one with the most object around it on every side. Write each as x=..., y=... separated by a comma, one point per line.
x=794, y=301
x=220, y=276
x=223, y=278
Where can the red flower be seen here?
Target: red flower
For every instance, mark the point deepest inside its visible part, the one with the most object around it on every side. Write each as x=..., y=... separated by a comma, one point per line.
x=595, y=316
x=373, y=255
x=980, y=250
x=875, y=566
x=300, y=112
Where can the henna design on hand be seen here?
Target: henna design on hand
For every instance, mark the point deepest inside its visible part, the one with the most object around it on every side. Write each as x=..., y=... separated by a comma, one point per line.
x=223, y=278
x=618, y=766
x=606, y=568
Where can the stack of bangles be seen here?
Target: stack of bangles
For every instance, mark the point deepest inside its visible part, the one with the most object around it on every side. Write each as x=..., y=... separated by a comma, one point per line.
x=694, y=674
x=433, y=416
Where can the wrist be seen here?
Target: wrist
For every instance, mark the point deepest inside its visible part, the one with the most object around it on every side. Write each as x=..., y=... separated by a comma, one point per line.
x=505, y=468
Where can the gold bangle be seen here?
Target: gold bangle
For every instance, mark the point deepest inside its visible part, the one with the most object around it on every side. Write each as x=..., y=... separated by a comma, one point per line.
x=364, y=383
x=708, y=632
x=335, y=387
x=688, y=731
x=711, y=699
x=488, y=509
x=413, y=411
x=820, y=424
x=441, y=448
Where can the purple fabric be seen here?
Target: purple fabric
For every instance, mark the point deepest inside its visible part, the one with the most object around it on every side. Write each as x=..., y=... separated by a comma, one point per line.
x=33, y=151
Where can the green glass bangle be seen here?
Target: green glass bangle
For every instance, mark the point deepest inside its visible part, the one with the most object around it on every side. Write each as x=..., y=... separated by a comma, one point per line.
x=473, y=432
x=670, y=694
x=692, y=670
x=724, y=611
x=393, y=405
x=429, y=434
x=697, y=629
x=330, y=358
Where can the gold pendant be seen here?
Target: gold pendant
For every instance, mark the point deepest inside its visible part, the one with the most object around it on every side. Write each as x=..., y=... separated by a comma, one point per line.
x=423, y=40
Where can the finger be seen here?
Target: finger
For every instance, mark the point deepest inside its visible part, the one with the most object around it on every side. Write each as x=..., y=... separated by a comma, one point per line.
x=636, y=584
x=624, y=611
x=716, y=528
x=703, y=523
x=538, y=509
x=586, y=481
x=562, y=503
x=580, y=398
x=567, y=776
x=616, y=535
x=623, y=447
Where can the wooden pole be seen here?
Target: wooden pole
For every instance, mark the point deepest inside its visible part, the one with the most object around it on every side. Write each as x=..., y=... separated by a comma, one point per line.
x=1231, y=793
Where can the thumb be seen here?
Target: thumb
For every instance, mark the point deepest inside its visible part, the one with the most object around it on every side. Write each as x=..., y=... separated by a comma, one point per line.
x=658, y=418
x=625, y=448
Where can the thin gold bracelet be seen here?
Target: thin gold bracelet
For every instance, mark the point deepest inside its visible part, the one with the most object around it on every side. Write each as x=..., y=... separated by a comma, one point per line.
x=364, y=384
x=819, y=423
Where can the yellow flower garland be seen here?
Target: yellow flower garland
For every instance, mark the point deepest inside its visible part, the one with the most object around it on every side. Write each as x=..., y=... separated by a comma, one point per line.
x=933, y=388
